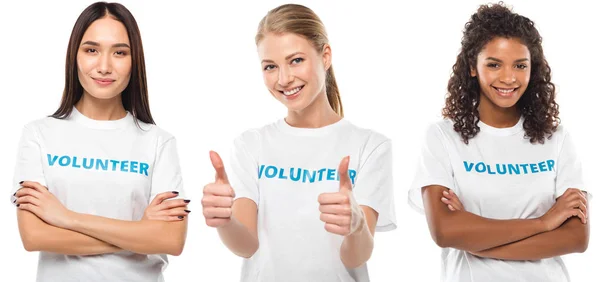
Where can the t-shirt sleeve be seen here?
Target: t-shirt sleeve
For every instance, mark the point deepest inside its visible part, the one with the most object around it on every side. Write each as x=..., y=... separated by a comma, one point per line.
x=29, y=161
x=166, y=175
x=568, y=168
x=244, y=170
x=433, y=168
x=374, y=185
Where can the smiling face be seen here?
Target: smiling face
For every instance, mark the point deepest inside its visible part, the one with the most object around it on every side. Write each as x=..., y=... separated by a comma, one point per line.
x=293, y=70
x=503, y=71
x=104, y=59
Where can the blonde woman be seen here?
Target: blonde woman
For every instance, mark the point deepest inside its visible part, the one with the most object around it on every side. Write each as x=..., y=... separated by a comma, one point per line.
x=305, y=194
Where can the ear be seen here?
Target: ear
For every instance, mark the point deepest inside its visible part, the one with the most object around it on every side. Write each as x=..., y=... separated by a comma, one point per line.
x=326, y=55
x=473, y=72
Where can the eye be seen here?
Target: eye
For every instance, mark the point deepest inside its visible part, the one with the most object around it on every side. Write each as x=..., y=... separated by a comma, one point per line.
x=521, y=66
x=269, y=67
x=90, y=50
x=297, y=60
x=493, y=65
x=121, y=53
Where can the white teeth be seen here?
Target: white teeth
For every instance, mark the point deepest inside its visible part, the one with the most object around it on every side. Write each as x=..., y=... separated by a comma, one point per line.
x=292, y=92
x=506, y=91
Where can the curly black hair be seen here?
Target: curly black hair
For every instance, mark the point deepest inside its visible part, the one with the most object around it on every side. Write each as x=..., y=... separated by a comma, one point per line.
x=537, y=105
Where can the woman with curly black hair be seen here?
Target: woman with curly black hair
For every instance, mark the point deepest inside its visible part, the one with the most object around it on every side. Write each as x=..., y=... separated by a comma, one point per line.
x=499, y=179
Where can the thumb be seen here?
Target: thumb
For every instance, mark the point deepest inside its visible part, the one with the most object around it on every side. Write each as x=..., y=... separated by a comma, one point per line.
x=220, y=175
x=345, y=182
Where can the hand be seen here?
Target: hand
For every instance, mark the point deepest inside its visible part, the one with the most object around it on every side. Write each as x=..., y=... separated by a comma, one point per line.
x=340, y=211
x=35, y=198
x=166, y=210
x=572, y=203
x=218, y=196
x=452, y=201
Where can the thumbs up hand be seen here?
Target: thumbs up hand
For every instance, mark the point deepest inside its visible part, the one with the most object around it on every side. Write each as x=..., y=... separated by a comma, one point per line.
x=340, y=211
x=218, y=196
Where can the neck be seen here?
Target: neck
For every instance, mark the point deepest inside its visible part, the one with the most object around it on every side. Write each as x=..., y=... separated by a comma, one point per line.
x=101, y=109
x=498, y=117
x=318, y=114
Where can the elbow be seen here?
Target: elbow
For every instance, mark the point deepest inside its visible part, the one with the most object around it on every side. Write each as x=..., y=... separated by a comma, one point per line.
x=176, y=248
x=249, y=252
x=583, y=244
x=440, y=238
x=30, y=243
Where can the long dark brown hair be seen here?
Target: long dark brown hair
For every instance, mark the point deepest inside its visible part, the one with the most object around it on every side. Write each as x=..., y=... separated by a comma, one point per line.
x=537, y=105
x=135, y=95
x=302, y=21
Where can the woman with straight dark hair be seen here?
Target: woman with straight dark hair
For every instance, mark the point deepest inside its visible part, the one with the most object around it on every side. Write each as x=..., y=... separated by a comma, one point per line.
x=305, y=194
x=499, y=179
x=85, y=175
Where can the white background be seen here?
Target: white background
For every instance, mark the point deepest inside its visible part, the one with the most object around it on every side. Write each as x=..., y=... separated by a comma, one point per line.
x=392, y=62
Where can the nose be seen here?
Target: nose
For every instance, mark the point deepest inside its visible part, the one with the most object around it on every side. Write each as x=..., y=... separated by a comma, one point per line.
x=508, y=75
x=285, y=76
x=104, y=64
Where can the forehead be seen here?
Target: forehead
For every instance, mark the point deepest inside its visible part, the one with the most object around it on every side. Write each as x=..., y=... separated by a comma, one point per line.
x=106, y=30
x=277, y=46
x=505, y=49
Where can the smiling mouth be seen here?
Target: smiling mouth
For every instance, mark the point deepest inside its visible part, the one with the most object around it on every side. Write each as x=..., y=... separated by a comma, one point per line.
x=291, y=91
x=506, y=91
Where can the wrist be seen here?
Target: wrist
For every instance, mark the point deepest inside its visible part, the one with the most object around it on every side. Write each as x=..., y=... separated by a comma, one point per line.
x=72, y=220
x=540, y=225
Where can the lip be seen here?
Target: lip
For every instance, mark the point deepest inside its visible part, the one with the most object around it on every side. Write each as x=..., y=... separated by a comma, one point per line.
x=293, y=96
x=506, y=94
x=103, y=81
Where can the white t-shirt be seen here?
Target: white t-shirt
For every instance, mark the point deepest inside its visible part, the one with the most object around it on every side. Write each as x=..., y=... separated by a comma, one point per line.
x=498, y=175
x=284, y=169
x=106, y=168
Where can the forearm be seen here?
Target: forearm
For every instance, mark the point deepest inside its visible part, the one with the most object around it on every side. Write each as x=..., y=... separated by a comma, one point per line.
x=238, y=238
x=143, y=237
x=467, y=231
x=357, y=248
x=571, y=237
x=37, y=235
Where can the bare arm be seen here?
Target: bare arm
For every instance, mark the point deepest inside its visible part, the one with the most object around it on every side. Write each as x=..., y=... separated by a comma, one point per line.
x=240, y=235
x=37, y=235
x=571, y=237
x=466, y=231
x=143, y=237
x=358, y=247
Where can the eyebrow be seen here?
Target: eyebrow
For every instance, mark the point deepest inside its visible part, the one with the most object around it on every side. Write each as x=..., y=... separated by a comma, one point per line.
x=287, y=57
x=498, y=60
x=98, y=44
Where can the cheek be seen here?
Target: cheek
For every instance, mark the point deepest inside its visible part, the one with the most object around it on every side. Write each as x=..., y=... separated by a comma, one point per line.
x=122, y=66
x=270, y=79
x=84, y=65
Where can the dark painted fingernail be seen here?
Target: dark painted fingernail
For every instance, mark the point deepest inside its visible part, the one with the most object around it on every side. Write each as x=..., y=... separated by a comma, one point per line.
x=187, y=201
x=15, y=194
x=21, y=182
x=175, y=192
x=18, y=205
x=180, y=217
x=188, y=211
x=14, y=201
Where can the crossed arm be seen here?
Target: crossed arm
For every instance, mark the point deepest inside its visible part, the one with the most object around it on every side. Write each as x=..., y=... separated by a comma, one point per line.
x=562, y=230
x=46, y=225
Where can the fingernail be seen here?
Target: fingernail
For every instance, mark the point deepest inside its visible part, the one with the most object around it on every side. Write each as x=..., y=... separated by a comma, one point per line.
x=21, y=182
x=444, y=199
x=445, y=193
x=188, y=211
x=187, y=201
x=14, y=201
x=15, y=194
x=18, y=205
x=175, y=192
x=180, y=217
